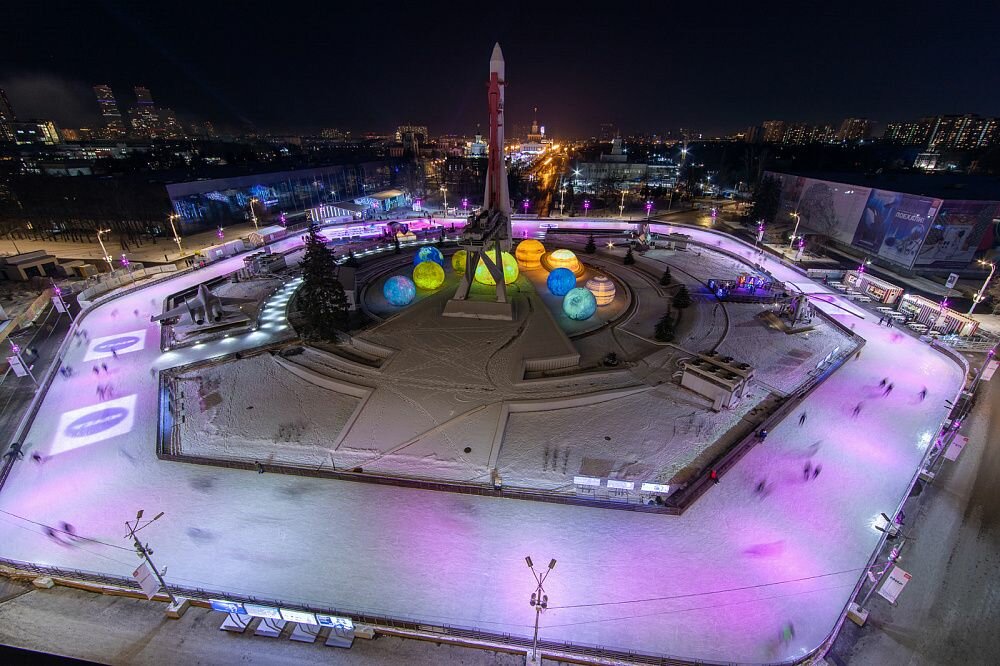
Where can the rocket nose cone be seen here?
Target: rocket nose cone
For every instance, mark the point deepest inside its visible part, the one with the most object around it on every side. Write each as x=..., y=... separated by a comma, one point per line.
x=497, y=54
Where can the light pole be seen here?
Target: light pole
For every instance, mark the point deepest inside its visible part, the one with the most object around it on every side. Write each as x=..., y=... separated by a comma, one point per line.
x=525, y=205
x=465, y=206
x=17, y=352
x=795, y=231
x=539, y=600
x=144, y=551
x=621, y=206
x=253, y=215
x=107, y=257
x=760, y=231
x=562, y=199
x=798, y=253
x=445, y=191
x=979, y=294
x=649, y=209
x=941, y=308
x=586, y=207
x=177, y=239
x=576, y=179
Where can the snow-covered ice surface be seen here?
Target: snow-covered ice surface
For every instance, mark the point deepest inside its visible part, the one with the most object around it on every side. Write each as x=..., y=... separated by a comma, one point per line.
x=717, y=583
x=256, y=409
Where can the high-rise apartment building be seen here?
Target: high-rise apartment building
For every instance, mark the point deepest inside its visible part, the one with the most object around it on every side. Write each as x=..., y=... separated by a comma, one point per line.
x=796, y=134
x=853, y=130
x=909, y=133
x=114, y=124
x=334, y=134
x=145, y=118
x=774, y=131
x=7, y=118
x=962, y=132
x=170, y=126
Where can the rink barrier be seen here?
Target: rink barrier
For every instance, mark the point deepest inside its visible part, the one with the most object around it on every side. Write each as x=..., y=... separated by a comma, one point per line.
x=404, y=627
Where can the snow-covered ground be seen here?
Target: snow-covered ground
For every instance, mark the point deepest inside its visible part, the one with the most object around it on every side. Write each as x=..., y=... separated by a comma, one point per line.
x=717, y=583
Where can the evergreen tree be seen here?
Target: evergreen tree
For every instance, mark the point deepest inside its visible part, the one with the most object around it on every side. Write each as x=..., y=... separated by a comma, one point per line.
x=629, y=258
x=665, y=328
x=591, y=246
x=322, y=297
x=666, y=277
x=351, y=260
x=682, y=299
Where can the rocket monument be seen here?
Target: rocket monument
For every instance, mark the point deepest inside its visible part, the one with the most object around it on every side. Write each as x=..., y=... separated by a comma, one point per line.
x=488, y=233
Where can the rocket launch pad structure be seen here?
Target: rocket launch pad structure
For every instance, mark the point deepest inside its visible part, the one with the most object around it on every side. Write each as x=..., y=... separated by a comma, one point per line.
x=488, y=233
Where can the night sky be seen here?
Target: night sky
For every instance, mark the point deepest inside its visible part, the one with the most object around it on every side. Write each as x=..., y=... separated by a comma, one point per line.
x=289, y=66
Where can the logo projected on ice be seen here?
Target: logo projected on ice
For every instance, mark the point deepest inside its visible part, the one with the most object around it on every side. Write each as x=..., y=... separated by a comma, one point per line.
x=117, y=344
x=95, y=422
x=112, y=345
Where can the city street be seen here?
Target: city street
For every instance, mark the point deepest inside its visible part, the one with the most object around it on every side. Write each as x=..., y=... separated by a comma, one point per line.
x=721, y=582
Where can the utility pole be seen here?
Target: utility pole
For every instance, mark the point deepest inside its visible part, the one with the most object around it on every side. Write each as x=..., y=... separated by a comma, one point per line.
x=177, y=239
x=144, y=551
x=980, y=294
x=562, y=198
x=621, y=206
x=107, y=257
x=253, y=215
x=539, y=600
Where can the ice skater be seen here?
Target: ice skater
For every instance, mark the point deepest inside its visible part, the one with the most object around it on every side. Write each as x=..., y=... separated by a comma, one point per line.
x=260, y=468
x=802, y=418
x=888, y=390
x=38, y=458
x=816, y=470
x=787, y=633
x=806, y=471
x=714, y=476
x=923, y=393
x=885, y=380
x=97, y=371
x=857, y=410
x=114, y=354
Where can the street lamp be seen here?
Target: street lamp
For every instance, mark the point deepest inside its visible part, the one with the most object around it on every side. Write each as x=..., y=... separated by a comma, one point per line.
x=445, y=191
x=795, y=231
x=621, y=206
x=177, y=239
x=586, y=206
x=539, y=601
x=562, y=198
x=144, y=551
x=760, y=231
x=253, y=215
x=107, y=257
x=649, y=209
x=861, y=268
x=979, y=297
x=526, y=204
x=941, y=309
x=465, y=205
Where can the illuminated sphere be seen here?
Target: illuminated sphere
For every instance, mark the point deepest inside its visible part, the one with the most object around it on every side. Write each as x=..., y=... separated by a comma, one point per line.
x=579, y=304
x=562, y=259
x=560, y=281
x=408, y=236
x=399, y=290
x=602, y=288
x=510, y=270
x=458, y=261
x=428, y=275
x=428, y=253
x=529, y=253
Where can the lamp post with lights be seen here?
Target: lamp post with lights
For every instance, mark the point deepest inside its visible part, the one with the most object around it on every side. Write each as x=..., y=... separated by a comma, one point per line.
x=649, y=209
x=177, y=239
x=539, y=601
x=104, y=250
x=621, y=206
x=253, y=215
x=444, y=191
x=980, y=295
x=144, y=551
x=586, y=207
x=562, y=198
x=795, y=231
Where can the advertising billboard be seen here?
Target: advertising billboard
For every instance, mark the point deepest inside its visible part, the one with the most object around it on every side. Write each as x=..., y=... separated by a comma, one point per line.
x=791, y=190
x=956, y=233
x=893, y=225
x=832, y=209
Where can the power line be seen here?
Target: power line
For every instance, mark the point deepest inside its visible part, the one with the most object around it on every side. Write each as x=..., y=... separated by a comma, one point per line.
x=703, y=594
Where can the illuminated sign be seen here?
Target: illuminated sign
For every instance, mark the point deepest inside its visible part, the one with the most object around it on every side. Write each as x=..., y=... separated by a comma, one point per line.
x=227, y=606
x=297, y=616
x=621, y=485
x=334, y=621
x=111, y=345
x=262, y=611
x=586, y=481
x=80, y=427
x=655, y=488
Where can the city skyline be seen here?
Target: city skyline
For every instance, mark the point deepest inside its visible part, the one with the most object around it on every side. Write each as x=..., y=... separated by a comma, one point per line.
x=710, y=69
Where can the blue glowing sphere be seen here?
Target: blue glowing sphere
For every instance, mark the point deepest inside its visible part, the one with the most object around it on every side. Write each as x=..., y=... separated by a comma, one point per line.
x=399, y=290
x=560, y=281
x=579, y=304
x=428, y=253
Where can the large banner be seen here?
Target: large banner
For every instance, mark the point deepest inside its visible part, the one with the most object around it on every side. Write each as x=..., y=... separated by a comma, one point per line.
x=955, y=235
x=893, y=225
x=832, y=209
x=791, y=190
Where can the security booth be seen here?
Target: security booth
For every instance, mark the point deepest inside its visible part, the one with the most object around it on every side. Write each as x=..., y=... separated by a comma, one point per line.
x=878, y=289
x=933, y=315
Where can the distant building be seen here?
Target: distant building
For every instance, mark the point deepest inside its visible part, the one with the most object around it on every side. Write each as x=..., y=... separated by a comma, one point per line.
x=537, y=133
x=171, y=128
x=29, y=132
x=962, y=132
x=114, y=124
x=607, y=132
x=853, y=130
x=908, y=133
x=774, y=131
x=145, y=119
x=797, y=134
x=334, y=133
x=477, y=148
x=7, y=118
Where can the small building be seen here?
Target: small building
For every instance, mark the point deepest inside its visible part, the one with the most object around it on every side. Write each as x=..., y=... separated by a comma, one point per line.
x=266, y=235
x=22, y=267
x=877, y=289
x=931, y=314
x=382, y=202
x=719, y=379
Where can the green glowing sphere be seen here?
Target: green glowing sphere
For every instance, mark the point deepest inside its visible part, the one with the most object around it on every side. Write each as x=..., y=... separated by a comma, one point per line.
x=579, y=304
x=458, y=261
x=428, y=275
x=510, y=270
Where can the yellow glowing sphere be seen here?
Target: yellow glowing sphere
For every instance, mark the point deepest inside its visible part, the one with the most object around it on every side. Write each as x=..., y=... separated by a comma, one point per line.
x=510, y=270
x=562, y=259
x=529, y=253
x=428, y=275
x=602, y=288
x=458, y=261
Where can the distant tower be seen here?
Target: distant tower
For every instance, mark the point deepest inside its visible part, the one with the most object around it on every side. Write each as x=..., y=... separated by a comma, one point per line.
x=488, y=233
x=7, y=118
x=114, y=125
x=145, y=120
x=536, y=134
